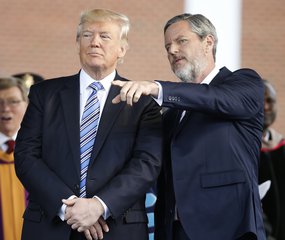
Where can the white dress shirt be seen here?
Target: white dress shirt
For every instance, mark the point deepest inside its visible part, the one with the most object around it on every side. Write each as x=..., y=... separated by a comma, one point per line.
x=85, y=90
x=102, y=94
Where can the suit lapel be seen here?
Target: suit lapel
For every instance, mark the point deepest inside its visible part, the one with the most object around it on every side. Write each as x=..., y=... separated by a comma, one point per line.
x=223, y=73
x=181, y=123
x=109, y=115
x=70, y=104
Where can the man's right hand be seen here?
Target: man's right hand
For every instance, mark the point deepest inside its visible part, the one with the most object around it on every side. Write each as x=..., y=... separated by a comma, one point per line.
x=131, y=91
x=97, y=230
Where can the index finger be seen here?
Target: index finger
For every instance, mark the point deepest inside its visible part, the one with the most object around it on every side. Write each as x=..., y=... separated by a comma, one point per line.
x=118, y=83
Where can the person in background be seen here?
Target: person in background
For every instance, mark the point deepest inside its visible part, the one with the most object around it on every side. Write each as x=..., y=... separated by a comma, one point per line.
x=272, y=166
x=87, y=163
x=29, y=78
x=208, y=187
x=13, y=104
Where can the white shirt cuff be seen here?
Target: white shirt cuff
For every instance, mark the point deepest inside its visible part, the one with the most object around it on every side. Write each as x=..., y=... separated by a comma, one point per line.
x=106, y=213
x=61, y=211
x=159, y=98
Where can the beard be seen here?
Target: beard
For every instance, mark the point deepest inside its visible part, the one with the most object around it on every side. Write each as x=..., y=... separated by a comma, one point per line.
x=186, y=74
x=189, y=72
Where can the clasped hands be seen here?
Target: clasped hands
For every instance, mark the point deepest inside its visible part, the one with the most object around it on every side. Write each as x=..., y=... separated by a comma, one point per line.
x=85, y=215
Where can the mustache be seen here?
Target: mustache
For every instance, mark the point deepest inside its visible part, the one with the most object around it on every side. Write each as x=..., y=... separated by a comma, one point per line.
x=176, y=58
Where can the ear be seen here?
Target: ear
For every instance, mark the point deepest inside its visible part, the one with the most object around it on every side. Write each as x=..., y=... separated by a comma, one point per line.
x=78, y=45
x=122, y=50
x=209, y=43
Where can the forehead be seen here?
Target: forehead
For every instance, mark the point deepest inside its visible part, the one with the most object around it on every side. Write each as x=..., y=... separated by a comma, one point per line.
x=10, y=92
x=177, y=29
x=100, y=26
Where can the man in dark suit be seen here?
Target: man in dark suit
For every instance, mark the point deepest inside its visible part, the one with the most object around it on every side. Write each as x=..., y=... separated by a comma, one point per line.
x=124, y=157
x=208, y=187
x=272, y=167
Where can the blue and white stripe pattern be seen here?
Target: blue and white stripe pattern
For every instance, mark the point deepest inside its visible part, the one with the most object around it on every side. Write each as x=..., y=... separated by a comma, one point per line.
x=88, y=130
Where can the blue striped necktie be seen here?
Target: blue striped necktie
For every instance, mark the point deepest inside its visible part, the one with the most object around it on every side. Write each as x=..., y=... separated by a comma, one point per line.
x=88, y=130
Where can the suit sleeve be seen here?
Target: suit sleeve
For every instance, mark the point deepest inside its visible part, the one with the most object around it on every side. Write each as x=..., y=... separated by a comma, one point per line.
x=239, y=95
x=45, y=187
x=142, y=169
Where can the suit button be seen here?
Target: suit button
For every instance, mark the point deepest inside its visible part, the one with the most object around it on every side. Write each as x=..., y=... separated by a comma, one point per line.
x=76, y=187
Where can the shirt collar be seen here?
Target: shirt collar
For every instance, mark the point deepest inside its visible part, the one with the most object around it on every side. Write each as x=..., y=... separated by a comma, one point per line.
x=211, y=76
x=86, y=80
x=4, y=138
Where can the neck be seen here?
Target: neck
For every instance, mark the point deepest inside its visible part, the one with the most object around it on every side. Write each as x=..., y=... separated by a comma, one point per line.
x=205, y=73
x=97, y=73
x=9, y=134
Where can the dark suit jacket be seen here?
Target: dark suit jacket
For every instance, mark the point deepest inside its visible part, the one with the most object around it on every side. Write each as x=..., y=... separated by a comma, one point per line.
x=211, y=157
x=272, y=166
x=125, y=162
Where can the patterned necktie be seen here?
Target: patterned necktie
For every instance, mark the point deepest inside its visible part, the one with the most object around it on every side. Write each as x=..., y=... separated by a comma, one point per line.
x=11, y=146
x=88, y=130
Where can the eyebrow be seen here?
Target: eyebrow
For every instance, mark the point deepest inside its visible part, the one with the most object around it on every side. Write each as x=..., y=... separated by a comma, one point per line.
x=104, y=32
x=177, y=38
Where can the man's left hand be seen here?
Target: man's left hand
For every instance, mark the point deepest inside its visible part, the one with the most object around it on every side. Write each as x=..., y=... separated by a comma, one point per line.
x=82, y=213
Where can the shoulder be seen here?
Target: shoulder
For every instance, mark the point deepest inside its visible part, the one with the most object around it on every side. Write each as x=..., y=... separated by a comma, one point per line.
x=247, y=72
x=241, y=78
x=55, y=83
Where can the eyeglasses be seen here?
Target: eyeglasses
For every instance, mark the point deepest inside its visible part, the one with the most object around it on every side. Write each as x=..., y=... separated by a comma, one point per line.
x=12, y=103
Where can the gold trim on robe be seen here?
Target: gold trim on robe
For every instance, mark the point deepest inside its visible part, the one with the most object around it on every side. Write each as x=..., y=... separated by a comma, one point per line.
x=12, y=198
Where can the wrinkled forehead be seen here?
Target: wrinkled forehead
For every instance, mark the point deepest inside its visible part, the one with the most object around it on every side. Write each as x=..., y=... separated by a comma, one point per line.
x=112, y=25
x=177, y=29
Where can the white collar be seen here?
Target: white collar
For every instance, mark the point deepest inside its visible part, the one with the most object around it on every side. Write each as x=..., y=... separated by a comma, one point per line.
x=86, y=80
x=4, y=138
x=211, y=76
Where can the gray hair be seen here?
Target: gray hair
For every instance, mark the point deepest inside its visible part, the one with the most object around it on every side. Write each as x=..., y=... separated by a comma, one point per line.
x=199, y=24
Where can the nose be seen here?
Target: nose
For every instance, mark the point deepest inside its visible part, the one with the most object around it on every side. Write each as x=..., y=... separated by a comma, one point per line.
x=95, y=41
x=4, y=106
x=172, y=49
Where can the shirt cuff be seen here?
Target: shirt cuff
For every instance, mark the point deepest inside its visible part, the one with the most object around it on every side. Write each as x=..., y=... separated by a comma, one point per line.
x=159, y=98
x=61, y=211
x=106, y=213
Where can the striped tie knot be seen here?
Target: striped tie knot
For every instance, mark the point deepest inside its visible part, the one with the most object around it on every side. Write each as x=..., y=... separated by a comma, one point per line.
x=96, y=86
